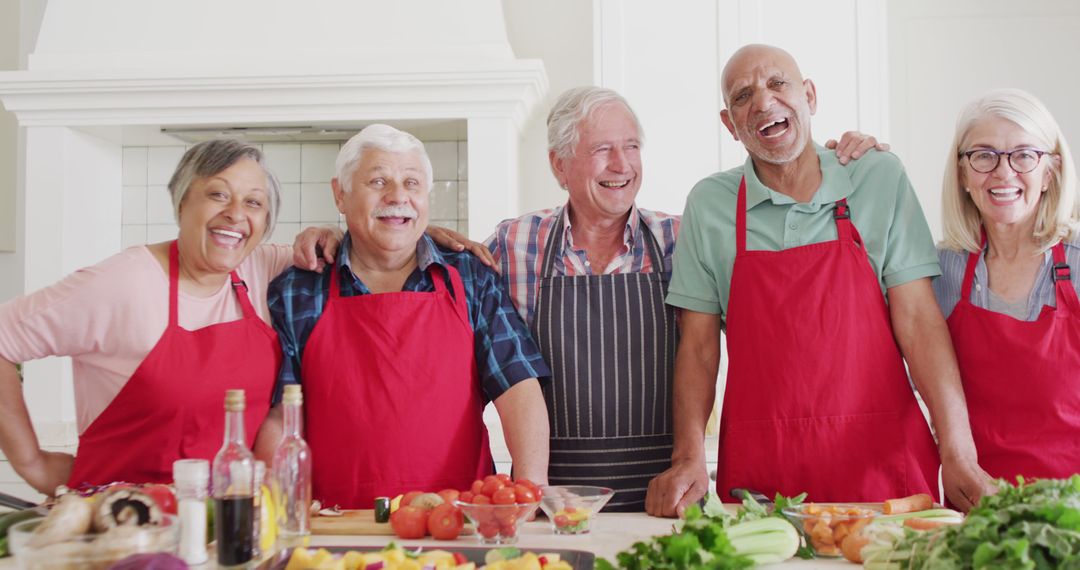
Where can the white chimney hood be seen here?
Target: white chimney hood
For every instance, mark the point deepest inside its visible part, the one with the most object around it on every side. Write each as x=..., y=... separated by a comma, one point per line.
x=105, y=71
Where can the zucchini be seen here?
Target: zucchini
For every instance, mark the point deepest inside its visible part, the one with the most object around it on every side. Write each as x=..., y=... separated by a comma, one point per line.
x=382, y=509
x=10, y=519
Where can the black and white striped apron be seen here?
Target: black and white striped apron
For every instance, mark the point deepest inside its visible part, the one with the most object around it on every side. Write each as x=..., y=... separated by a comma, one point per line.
x=610, y=343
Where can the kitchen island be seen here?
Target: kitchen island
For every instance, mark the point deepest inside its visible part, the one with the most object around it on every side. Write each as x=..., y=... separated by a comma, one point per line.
x=611, y=533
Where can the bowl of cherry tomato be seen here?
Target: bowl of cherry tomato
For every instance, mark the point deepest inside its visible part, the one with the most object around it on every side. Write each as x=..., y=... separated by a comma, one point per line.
x=497, y=506
x=571, y=508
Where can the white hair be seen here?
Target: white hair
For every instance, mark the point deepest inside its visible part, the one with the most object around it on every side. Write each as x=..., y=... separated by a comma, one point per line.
x=381, y=137
x=1058, y=216
x=574, y=106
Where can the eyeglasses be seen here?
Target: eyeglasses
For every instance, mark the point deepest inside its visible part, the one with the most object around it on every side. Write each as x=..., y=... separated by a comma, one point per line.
x=1021, y=160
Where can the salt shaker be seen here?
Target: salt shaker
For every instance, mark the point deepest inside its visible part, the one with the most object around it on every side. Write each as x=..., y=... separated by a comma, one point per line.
x=192, y=480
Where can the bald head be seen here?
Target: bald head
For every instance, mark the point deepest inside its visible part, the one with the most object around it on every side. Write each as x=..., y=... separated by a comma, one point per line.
x=754, y=57
x=767, y=103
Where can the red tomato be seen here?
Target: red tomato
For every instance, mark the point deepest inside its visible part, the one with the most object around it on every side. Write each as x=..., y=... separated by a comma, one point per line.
x=488, y=529
x=506, y=515
x=163, y=496
x=477, y=487
x=561, y=521
x=481, y=500
x=409, y=522
x=504, y=478
x=492, y=484
x=445, y=522
x=524, y=494
x=466, y=497
x=450, y=495
x=508, y=530
x=504, y=496
x=533, y=486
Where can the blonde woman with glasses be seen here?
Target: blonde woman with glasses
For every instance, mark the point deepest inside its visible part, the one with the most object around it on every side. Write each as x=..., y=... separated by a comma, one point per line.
x=1008, y=288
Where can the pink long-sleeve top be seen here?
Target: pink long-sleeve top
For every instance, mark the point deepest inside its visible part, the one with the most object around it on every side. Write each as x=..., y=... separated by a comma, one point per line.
x=107, y=318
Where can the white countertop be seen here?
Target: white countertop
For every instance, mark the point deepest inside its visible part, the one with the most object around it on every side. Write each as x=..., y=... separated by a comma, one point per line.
x=612, y=532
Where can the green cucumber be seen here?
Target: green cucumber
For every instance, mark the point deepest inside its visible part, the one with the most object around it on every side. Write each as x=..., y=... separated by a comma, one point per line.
x=10, y=519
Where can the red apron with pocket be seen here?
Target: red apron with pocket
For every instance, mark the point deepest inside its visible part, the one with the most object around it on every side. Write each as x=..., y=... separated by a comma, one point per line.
x=817, y=398
x=391, y=395
x=172, y=406
x=1022, y=380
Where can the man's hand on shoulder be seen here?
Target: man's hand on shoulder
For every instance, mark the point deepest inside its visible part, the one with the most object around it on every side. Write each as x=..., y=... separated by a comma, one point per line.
x=683, y=484
x=853, y=145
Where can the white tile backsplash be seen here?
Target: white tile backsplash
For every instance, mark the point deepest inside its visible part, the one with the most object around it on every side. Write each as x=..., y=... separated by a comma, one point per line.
x=161, y=162
x=317, y=204
x=304, y=171
x=161, y=232
x=444, y=159
x=285, y=233
x=317, y=161
x=444, y=201
x=284, y=160
x=134, y=166
x=159, y=208
x=463, y=160
x=133, y=205
x=134, y=234
x=290, y=204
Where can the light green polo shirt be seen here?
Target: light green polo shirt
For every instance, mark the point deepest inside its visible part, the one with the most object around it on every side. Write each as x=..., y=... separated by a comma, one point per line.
x=884, y=209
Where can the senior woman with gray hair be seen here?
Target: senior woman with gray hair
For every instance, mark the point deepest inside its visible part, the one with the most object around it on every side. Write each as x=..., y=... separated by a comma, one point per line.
x=156, y=333
x=1012, y=236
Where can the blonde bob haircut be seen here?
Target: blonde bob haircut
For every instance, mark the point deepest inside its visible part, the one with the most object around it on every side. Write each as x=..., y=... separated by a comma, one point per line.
x=1058, y=216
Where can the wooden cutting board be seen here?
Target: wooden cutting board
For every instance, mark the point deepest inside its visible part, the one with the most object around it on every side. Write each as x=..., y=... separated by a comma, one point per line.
x=360, y=521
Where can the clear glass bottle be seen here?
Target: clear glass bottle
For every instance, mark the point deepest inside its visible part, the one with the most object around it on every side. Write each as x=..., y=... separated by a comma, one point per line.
x=192, y=480
x=291, y=472
x=234, y=488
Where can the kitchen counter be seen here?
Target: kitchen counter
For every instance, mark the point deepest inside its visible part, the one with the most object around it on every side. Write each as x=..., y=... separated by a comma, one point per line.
x=612, y=532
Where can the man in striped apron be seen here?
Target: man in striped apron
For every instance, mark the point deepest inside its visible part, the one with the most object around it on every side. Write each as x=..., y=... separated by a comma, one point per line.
x=590, y=278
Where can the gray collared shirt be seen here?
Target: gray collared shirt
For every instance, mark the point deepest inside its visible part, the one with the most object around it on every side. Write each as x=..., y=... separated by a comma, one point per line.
x=953, y=263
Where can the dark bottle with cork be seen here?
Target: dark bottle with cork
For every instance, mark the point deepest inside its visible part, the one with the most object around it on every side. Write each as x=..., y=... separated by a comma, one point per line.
x=234, y=488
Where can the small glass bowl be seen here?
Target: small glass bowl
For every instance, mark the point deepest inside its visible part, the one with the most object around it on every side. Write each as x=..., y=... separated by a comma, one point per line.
x=92, y=550
x=571, y=508
x=824, y=526
x=497, y=524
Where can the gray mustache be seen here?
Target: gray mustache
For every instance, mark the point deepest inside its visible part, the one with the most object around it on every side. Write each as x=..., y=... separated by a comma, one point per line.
x=398, y=211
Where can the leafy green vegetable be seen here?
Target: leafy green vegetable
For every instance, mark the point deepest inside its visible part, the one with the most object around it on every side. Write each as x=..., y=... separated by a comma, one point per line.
x=716, y=540
x=1028, y=526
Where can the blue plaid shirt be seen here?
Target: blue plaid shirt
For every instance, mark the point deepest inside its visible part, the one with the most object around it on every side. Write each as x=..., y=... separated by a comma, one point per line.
x=505, y=352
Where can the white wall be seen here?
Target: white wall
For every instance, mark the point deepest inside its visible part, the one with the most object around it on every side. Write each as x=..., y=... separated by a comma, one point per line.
x=559, y=32
x=943, y=54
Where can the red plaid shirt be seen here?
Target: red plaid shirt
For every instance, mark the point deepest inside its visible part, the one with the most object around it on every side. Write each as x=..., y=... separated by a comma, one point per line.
x=517, y=245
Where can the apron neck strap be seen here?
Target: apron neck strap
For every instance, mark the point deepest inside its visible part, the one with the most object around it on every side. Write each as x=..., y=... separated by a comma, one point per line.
x=174, y=282
x=1062, y=276
x=241, y=290
x=740, y=218
x=845, y=230
x=335, y=285
x=439, y=274
x=554, y=244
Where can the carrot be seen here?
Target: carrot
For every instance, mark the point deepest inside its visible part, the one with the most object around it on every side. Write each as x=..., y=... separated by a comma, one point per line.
x=923, y=524
x=852, y=546
x=920, y=502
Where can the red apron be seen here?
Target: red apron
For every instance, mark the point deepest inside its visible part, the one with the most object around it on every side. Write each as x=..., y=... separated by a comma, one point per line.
x=817, y=399
x=171, y=407
x=392, y=400
x=1022, y=380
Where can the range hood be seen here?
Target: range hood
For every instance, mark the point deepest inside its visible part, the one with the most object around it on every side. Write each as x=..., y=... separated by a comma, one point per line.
x=106, y=71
